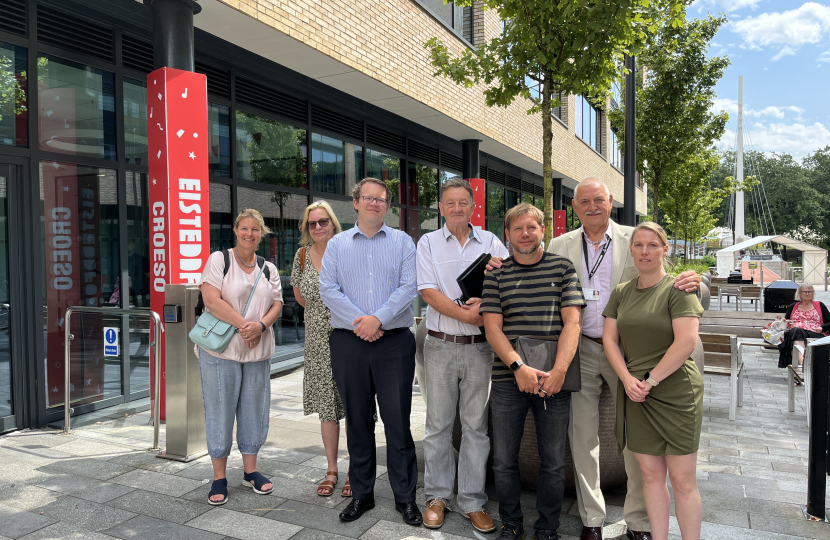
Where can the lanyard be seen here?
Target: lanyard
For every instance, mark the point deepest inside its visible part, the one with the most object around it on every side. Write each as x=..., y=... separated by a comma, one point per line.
x=599, y=259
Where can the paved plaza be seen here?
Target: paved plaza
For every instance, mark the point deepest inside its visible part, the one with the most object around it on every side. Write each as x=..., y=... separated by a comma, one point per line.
x=100, y=482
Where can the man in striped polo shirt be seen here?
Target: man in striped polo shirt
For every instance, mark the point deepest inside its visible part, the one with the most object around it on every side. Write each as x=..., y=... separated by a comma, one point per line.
x=534, y=294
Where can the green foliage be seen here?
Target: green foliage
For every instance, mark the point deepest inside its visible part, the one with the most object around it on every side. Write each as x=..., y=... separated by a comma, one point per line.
x=12, y=94
x=572, y=46
x=708, y=260
x=677, y=269
x=674, y=122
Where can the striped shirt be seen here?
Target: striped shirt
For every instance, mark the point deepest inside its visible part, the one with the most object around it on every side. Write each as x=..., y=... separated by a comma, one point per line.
x=369, y=276
x=529, y=298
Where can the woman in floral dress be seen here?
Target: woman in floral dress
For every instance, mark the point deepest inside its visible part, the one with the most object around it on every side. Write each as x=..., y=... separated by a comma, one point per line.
x=320, y=395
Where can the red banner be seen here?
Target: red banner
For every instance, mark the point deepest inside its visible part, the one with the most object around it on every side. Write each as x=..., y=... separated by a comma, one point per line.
x=560, y=222
x=477, y=219
x=177, y=127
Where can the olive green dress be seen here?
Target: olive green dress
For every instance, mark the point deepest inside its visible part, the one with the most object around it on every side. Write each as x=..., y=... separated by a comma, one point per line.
x=668, y=422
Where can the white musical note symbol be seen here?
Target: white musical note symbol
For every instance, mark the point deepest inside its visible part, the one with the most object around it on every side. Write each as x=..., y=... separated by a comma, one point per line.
x=65, y=123
x=159, y=125
x=151, y=112
x=185, y=93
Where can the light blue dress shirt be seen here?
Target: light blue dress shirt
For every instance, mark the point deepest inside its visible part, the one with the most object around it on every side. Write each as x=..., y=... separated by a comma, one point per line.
x=369, y=276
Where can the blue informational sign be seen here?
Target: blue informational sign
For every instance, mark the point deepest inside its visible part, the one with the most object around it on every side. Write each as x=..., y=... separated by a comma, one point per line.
x=111, y=341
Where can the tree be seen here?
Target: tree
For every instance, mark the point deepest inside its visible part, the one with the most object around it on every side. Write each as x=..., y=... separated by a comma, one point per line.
x=569, y=46
x=674, y=122
x=12, y=93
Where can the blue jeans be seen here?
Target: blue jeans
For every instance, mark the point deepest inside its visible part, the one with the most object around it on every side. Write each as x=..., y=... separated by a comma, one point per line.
x=235, y=390
x=508, y=407
x=453, y=371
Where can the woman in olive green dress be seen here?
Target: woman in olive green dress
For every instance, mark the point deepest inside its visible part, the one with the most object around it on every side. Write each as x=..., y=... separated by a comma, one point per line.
x=656, y=325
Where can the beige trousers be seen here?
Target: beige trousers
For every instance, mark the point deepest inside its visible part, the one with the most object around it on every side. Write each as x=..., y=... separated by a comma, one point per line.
x=583, y=434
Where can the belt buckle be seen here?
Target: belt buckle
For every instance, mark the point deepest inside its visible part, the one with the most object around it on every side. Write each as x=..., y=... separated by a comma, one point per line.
x=455, y=339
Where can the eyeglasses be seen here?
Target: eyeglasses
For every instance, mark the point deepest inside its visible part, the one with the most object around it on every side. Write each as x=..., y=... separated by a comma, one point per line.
x=369, y=200
x=806, y=292
x=322, y=222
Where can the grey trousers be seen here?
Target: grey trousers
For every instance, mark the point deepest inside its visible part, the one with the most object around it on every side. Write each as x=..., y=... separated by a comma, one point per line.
x=457, y=374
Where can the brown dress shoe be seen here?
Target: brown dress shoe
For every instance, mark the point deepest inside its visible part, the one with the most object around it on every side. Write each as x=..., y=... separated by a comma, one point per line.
x=481, y=521
x=434, y=513
x=591, y=533
x=637, y=535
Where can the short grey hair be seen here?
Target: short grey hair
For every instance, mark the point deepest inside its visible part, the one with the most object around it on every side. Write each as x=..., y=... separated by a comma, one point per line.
x=592, y=181
x=801, y=287
x=457, y=183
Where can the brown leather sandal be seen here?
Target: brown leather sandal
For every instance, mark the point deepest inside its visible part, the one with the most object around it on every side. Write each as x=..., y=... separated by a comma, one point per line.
x=327, y=484
x=346, y=487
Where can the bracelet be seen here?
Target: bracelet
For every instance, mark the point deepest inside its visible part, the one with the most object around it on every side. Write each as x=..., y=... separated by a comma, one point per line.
x=264, y=328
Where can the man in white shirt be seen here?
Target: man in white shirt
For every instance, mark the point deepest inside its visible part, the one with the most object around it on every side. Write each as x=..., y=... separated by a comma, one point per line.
x=457, y=361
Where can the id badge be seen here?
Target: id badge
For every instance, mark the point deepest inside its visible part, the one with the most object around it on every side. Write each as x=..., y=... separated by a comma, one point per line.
x=591, y=295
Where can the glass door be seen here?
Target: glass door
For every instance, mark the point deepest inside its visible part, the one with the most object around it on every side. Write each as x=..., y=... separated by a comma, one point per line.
x=7, y=368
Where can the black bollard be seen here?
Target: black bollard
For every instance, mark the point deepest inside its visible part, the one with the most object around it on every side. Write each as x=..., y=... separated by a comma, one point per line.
x=817, y=464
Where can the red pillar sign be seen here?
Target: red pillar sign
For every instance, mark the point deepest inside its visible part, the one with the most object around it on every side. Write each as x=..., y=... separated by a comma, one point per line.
x=477, y=219
x=560, y=222
x=178, y=164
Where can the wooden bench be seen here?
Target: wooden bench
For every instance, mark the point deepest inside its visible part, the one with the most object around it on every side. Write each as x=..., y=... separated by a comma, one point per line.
x=721, y=353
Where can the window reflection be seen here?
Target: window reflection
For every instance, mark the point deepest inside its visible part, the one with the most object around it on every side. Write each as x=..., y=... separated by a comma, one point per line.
x=344, y=210
x=587, y=122
x=221, y=220
x=76, y=108
x=219, y=127
x=387, y=168
x=13, y=87
x=79, y=242
x=270, y=152
x=526, y=198
x=422, y=185
x=135, y=121
x=336, y=165
x=512, y=198
x=495, y=201
x=282, y=213
x=496, y=227
x=138, y=239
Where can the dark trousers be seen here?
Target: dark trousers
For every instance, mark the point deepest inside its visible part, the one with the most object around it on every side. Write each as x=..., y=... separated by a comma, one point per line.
x=785, y=348
x=508, y=409
x=384, y=368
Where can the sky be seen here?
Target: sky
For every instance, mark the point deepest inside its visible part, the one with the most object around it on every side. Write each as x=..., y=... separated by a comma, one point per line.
x=782, y=49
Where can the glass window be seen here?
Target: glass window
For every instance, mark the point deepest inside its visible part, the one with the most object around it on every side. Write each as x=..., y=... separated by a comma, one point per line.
x=282, y=213
x=219, y=126
x=135, y=121
x=13, y=87
x=336, y=166
x=387, y=168
x=270, y=152
x=587, y=122
x=614, y=149
x=495, y=201
x=496, y=227
x=79, y=243
x=512, y=198
x=527, y=198
x=446, y=176
x=138, y=243
x=76, y=108
x=422, y=185
x=221, y=220
x=539, y=203
x=6, y=404
x=421, y=222
x=578, y=120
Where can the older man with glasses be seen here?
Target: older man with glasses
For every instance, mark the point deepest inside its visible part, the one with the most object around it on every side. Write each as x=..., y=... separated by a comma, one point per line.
x=367, y=280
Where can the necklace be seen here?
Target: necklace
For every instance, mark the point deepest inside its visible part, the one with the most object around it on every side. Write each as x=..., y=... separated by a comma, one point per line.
x=243, y=262
x=592, y=242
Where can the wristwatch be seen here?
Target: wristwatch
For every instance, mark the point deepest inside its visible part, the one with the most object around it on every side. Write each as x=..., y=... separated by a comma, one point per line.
x=516, y=365
x=647, y=378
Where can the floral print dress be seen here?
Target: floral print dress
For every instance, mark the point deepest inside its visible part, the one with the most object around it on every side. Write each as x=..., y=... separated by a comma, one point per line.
x=320, y=395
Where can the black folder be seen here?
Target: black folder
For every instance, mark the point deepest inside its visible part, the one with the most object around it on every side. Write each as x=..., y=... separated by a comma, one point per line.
x=471, y=280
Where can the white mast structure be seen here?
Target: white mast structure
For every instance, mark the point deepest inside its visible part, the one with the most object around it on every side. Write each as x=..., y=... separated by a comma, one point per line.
x=740, y=234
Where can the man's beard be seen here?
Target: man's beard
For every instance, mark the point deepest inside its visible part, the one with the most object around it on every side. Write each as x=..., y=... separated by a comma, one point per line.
x=530, y=251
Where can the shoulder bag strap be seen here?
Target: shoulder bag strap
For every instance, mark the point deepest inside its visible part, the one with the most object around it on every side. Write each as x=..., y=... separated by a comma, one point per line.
x=302, y=258
x=252, y=290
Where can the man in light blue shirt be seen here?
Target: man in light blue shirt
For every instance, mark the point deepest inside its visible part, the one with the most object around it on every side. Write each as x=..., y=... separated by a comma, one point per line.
x=457, y=362
x=367, y=280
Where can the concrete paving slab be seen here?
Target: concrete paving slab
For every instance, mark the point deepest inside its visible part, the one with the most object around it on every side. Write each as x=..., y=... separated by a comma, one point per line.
x=243, y=526
x=239, y=500
x=25, y=496
x=156, y=505
x=148, y=527
x=324, y=519
x=15, y=522
x=65, y=531
x=83, y=513
x=85, y=488
x=157, y=482
x=89, y=467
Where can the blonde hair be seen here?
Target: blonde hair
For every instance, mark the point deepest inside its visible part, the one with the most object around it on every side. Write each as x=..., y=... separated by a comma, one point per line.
x=305, y=238
x=653, y=227
x=521, y=210
x=806, y=284
x=250, y=213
